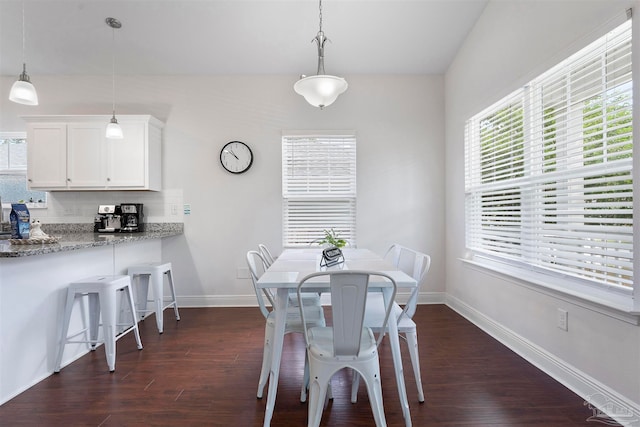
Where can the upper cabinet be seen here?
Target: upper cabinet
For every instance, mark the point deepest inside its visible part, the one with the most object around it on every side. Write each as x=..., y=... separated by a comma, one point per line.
x=72, y=153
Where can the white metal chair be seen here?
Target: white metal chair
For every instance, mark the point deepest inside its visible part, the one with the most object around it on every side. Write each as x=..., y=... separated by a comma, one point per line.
x=266, y=254
x=345, y=344
x=314, y=313
x=310, y=298
x=416, y=265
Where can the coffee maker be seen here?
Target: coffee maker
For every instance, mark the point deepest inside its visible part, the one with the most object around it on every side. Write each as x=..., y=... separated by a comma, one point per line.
x=108, y=219
x=132, y=217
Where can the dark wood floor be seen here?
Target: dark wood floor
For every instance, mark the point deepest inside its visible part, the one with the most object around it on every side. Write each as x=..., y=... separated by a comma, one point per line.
x=204, y=371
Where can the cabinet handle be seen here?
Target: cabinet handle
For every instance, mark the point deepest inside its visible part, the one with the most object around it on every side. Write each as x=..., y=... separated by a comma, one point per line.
x=68, y=179
x=30, y=180
x=108, y=179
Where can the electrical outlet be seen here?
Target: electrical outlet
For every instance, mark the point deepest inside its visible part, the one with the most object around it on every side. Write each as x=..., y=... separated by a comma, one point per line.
x=187, y=209
x=563, y=316
x=174, y=209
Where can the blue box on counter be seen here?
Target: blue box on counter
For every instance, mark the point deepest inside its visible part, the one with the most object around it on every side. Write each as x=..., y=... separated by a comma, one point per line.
x=20, y=221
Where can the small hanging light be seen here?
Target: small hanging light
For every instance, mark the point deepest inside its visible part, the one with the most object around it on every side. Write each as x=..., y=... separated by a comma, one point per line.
x=114, y=131
x=22, y=91
x=322, y=89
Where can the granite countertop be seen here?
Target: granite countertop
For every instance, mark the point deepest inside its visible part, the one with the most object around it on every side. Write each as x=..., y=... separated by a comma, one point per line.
x=79, y=236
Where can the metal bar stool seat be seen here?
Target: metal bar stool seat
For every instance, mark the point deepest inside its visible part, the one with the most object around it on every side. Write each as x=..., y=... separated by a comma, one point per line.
x=102, y=292
x=153, y=272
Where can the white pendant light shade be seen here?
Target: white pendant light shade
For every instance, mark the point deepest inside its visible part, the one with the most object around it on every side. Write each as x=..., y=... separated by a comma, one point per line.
x=320, y=90
x=22, y=91
x=114, y=131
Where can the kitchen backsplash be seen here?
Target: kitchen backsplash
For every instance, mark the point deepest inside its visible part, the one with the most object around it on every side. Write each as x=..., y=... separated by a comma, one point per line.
x=81, y=206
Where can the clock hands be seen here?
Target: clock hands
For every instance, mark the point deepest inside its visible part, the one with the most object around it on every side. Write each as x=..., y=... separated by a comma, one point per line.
x=230, y=151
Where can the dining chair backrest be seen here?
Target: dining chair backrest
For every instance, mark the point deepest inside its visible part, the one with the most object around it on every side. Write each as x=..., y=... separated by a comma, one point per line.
x=348, y=301
x=257, y=267
x=415, y=264
x=266, y=254
x=347, y=310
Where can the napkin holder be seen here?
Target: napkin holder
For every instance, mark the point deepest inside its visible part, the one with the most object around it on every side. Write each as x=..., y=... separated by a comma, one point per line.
x=331, y=256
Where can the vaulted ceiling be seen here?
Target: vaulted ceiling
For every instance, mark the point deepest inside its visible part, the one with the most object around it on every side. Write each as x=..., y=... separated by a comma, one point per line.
x=183, y=37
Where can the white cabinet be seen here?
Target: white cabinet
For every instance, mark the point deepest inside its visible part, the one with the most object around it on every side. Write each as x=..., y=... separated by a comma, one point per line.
x=47, y=155
x=85, y=155
x=72, y=153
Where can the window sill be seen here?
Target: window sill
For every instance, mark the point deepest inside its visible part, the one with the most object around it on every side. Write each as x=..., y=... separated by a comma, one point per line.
x=617, y=305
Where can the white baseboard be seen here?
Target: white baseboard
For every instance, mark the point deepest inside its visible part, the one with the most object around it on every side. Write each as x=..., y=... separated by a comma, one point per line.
x=432, y=298
x=597, y=395
x=250, y=300
x=217, y=301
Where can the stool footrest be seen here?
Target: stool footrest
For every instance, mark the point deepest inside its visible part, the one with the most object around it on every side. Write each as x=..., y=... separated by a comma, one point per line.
x=153, y=311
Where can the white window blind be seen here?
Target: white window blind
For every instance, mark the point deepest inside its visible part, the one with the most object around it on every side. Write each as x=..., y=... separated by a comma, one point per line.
x=548, y=169
x=318, y=187
x=13, y=152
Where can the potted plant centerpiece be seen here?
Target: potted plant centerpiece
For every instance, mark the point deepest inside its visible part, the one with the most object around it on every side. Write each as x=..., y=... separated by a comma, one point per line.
x=332, y=239
x=332, y=252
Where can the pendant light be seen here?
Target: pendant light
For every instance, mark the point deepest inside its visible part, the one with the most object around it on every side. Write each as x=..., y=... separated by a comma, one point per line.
x=114, y=131
x=322, y=89
x=22, y=91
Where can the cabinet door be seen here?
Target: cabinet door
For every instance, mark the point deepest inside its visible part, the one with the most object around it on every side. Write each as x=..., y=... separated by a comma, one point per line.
x=127, y=158
x=86, y=155
x=47, y=155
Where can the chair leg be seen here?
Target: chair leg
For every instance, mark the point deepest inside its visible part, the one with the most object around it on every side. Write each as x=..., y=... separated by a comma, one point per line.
x=266, y=359
x=65, y=329
x=157, y=282
x=305, y=379
x=140, y=282
x=355, y=384
x=132, y=306
x=108, y=306
x=317, y=399
x=374, y=389
x=173, y=294
x=94, y=319
x=412, y=342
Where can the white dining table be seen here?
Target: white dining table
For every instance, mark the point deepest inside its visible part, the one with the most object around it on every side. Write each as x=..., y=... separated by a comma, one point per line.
x=294, y=264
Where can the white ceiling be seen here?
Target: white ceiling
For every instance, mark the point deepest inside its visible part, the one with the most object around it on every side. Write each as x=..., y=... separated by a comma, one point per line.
x=234, y=37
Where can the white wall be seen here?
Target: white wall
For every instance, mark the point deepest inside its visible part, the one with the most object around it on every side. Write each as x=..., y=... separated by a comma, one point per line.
x=399, y=122
x=510, y=44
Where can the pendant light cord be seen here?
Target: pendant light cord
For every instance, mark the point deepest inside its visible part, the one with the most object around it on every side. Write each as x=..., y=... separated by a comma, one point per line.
x=320, y=39
x=320, y=8
x=113, y=70
x=24, y=38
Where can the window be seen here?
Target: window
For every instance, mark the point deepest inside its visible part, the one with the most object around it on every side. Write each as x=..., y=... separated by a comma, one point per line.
x=13, y=170
x=318, y=187
x=548, y=183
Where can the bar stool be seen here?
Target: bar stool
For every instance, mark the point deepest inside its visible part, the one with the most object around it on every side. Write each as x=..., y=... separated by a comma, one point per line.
x=154, y=272
x=102, y=292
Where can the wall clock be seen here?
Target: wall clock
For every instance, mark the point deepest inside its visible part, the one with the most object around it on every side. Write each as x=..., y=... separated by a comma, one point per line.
x=236, y=157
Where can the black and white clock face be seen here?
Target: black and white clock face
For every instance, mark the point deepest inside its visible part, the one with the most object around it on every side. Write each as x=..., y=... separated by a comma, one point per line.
x=236, y=157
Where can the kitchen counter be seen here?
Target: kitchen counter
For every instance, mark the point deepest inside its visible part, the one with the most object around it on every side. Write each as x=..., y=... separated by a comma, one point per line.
x=71, y=239
x=34, y=280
